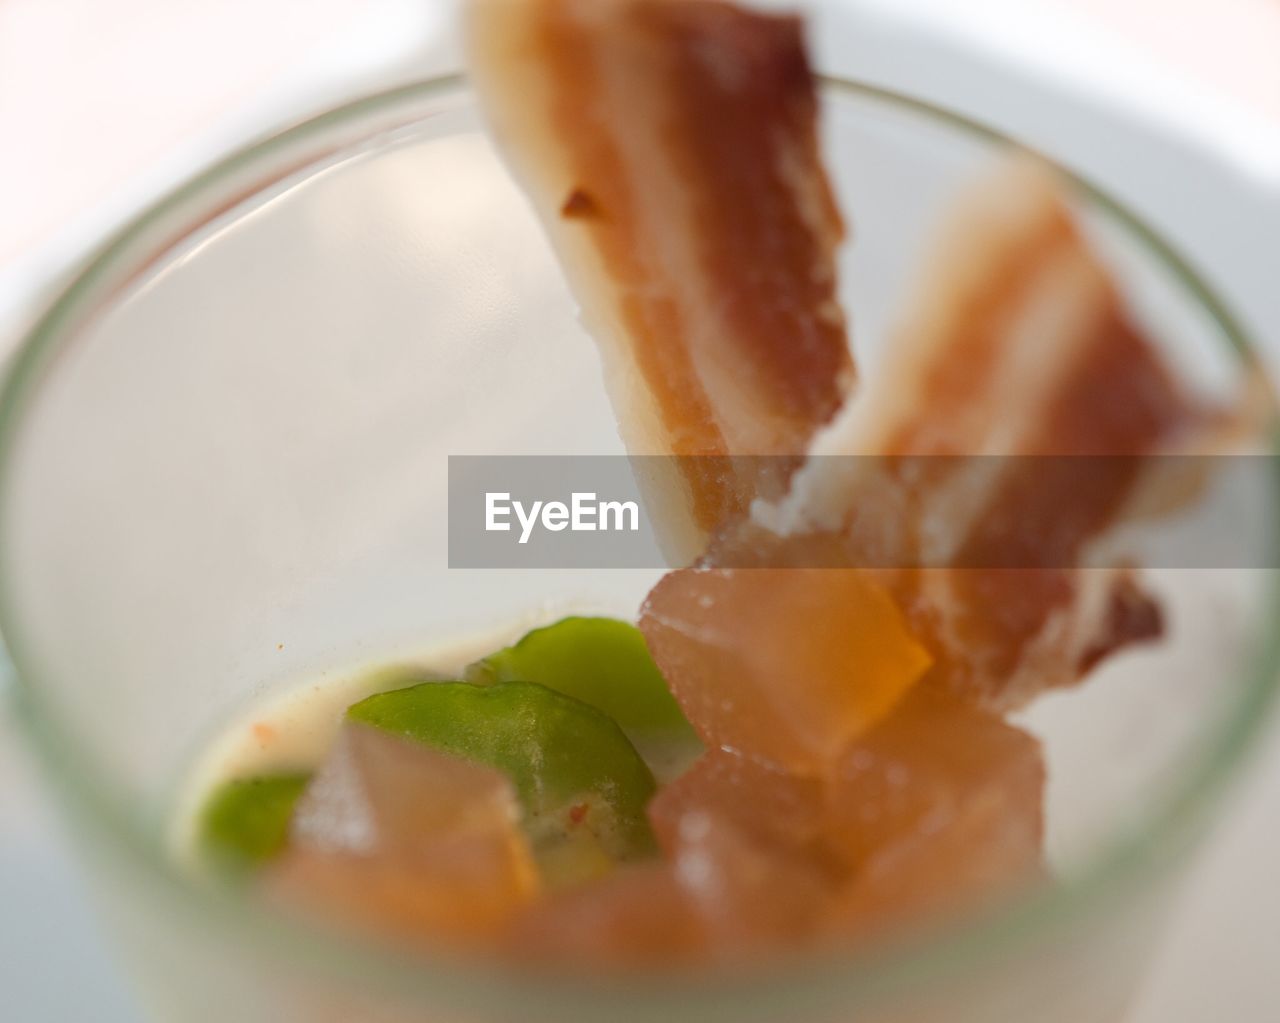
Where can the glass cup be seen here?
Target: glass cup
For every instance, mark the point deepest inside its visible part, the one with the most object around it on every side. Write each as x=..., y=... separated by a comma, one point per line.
x=223, y=460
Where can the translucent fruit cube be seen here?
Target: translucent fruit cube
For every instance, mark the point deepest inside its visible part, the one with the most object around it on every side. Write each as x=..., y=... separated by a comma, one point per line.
x=406, y=840
x=749, y=894
x=784, y=664
x=721, y=897
x=637, y=917
x=766, y=803
x=940, y=805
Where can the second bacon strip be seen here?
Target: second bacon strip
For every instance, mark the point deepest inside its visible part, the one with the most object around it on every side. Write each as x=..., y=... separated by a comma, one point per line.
x=1010, y=430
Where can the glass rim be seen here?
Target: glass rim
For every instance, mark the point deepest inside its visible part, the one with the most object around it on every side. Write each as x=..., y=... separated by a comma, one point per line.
x=862, y=977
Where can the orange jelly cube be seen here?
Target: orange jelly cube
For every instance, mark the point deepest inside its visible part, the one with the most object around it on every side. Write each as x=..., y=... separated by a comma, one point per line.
x=760, y=800
x=402, y=839
x=748, y=894
x=638, y=916
x=784, y=664
x=939, y=805
x=720, y=897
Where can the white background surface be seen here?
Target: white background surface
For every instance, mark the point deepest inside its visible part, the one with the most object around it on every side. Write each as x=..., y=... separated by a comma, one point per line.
x=105, y=103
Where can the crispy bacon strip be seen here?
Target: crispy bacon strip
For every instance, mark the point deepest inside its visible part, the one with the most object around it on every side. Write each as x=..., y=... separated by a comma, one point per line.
x=670, y=147
x=1020, y=365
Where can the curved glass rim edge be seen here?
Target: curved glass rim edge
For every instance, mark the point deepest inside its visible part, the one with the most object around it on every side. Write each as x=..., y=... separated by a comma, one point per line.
x=852, y=977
